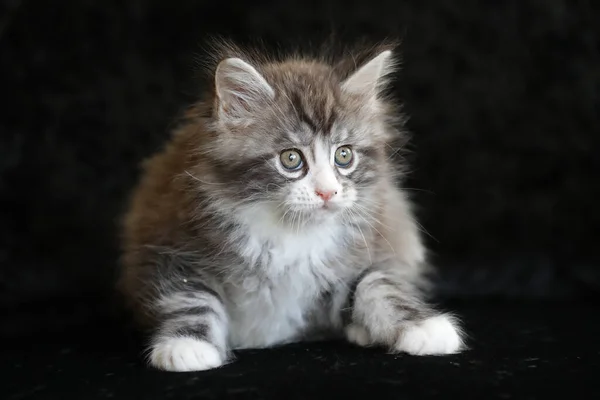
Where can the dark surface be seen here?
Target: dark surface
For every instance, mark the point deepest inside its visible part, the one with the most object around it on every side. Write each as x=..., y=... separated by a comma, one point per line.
x=504, y=104
x=518, y=351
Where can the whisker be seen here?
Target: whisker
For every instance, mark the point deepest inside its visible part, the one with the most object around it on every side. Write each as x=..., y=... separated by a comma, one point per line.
x=364, y=239
x=394, y=151
x=200, y=180
x=377, y=230
x=419, y=190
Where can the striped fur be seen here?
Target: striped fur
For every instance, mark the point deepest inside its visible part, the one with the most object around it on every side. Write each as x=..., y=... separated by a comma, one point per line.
x=224, y=248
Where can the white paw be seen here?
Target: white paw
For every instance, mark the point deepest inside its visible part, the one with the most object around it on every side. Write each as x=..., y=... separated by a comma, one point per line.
x=358, y=335
x=435, y=335
x=181, y=354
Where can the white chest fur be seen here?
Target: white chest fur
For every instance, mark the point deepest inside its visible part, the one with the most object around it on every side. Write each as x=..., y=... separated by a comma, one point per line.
x=289, y=270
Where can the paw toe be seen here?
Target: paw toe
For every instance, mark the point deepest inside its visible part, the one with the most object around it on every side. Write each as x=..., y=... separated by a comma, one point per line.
x=185, y=354
x=358, y=334
x=434, y=336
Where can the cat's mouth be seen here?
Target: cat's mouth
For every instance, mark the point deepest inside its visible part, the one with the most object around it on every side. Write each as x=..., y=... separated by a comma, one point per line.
x=317, y=211
x=326, y=208
x=331, y=205
x=316, y=208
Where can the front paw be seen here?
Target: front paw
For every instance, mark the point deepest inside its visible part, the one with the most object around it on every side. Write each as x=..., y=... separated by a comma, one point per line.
x=184, y=354
x=433, y=336
x=358, y=334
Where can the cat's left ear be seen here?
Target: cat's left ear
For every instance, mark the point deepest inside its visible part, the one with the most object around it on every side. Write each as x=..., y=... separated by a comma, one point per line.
x=369, y=79
x=241, y=89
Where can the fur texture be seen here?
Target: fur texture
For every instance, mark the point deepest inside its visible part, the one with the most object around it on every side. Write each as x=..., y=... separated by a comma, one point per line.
x=274, y=215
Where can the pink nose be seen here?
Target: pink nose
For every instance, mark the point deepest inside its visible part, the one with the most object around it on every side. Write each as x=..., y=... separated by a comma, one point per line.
x=326, y=194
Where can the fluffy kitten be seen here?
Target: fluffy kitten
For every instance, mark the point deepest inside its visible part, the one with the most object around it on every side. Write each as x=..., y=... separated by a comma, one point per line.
x=273, y=216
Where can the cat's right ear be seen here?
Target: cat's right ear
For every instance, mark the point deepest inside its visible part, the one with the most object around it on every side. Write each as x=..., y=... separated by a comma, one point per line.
x=370, y=78
x=241, y=90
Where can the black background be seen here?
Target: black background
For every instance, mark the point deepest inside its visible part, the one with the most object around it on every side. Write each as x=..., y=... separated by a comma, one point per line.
x=503, y=99
x=504, y=104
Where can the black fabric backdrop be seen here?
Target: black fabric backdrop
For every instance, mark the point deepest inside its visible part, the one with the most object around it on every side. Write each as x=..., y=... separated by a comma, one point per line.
x=504, y=105
x=503, y=99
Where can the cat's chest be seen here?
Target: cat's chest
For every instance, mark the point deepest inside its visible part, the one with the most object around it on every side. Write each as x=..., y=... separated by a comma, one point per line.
x=287, y=256
x=283, y=278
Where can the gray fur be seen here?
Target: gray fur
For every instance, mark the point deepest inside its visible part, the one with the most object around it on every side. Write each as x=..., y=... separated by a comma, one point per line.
x=251, y=256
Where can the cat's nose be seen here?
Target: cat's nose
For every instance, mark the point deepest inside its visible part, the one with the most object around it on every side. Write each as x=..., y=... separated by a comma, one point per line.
x=326, y=194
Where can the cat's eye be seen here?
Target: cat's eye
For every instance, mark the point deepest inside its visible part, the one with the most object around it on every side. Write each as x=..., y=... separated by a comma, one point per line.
x=291, y=159
x=343, y=157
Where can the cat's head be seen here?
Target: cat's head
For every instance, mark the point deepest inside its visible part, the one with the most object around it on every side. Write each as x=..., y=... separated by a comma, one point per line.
x=301, y=138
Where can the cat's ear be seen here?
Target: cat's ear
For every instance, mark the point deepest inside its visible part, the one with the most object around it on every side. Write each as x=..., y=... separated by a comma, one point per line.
x=369, y=79
x=240, y=88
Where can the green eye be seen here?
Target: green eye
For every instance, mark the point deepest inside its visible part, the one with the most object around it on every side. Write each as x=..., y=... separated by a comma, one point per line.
x=343, y=157
x=291, y=160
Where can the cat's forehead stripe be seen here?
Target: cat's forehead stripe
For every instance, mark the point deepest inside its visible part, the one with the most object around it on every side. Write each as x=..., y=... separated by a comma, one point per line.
x=300, y=137
x=301, y=112
x=317, y=112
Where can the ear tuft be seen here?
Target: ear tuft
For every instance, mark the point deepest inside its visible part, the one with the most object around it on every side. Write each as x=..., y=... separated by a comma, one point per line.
x=369, y=78
x=241, y=89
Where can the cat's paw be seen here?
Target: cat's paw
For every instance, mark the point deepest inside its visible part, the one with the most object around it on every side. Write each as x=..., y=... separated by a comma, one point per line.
x=434, y=336
x=358, y=334
x=184, y=354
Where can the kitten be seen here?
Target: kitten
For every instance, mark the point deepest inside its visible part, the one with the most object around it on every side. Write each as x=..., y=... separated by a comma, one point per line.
x=273, y=216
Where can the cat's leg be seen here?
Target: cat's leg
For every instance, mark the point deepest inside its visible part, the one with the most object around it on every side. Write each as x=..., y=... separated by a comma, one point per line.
x=192, y=330
x=388, y=310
